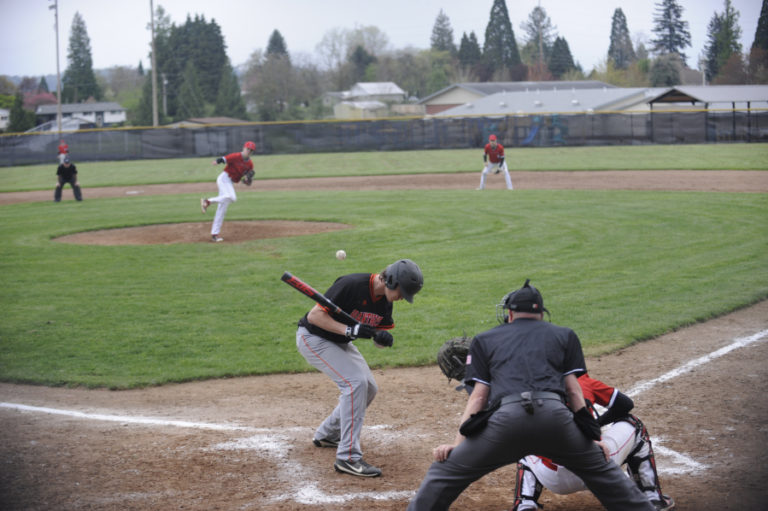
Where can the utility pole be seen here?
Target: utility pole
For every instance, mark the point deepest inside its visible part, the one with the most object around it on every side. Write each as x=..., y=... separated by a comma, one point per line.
x=154, y=65
x=55, y=8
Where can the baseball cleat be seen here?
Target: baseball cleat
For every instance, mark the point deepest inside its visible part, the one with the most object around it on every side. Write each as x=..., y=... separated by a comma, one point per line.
x=325, y=442
x=357, y=468
x=664, y=505
x=215, y=238
x=204, y=203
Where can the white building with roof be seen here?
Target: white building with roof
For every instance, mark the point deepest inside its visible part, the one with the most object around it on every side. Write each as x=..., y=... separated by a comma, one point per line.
x=101, y=114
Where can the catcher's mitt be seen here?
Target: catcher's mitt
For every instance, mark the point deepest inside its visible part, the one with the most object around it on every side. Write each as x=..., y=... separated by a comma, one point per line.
x=248, y=177
x=452, y=357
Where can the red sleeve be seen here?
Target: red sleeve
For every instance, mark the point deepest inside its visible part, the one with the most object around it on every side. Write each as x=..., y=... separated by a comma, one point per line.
x=597, y=391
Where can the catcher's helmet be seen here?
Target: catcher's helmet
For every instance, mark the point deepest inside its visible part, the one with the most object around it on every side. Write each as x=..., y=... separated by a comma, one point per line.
x=406, y=274
x=250, y=145
x=525, y=299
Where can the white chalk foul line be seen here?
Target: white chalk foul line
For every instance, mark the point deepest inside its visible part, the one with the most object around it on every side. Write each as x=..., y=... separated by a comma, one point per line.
x=125, y=419
x=688, y=366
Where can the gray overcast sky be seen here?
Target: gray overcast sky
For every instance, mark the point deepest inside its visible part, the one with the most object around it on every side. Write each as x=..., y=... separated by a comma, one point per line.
x=118, y=33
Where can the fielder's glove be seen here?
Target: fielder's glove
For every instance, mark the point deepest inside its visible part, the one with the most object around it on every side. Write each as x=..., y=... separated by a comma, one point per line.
x=383, y=338
x=452, y=357
x=248, y=178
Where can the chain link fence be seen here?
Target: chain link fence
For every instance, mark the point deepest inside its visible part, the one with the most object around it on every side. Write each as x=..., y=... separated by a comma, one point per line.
x=541, y=130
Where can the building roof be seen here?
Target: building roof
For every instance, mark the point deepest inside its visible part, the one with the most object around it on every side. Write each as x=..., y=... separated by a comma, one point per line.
x=713, y=94
x=488, y=88
x=550, y=101
x=375, y=89
x=71, y=108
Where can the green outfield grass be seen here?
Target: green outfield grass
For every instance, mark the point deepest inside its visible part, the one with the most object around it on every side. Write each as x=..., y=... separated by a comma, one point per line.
x=656, y=157
x=618, y=267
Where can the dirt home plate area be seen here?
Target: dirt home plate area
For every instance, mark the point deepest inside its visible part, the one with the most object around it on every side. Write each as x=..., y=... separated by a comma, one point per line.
x=245, y=443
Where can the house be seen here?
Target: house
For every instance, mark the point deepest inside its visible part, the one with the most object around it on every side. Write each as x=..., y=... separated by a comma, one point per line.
x=719, y=97
x=462, y=93
x=360, y=110
x=201, y=122
x=387, y=92
x=5, y=118
x=365, y=100
x=102, y=115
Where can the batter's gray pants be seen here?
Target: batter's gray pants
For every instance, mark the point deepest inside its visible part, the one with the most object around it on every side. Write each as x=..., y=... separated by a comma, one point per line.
x=344, y=364
x=512, y=434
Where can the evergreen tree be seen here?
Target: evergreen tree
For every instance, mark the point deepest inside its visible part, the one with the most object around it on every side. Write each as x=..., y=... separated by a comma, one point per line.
x=671, y=31
x=442, y=35
x=190, y=99
x=723, y=35
x=620, y=51
x=470, y=54
x=229, y=102
x=761, y=33
x=20, y=120
x=360, y=60
x=79, y=81
x=143, y=114
x=665, y=70
x=43, y=85
x=560, y=58
x=500, y=53
x=276, y=45
x=140, y=69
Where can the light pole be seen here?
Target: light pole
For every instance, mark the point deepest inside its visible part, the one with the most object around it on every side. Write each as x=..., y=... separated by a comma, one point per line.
x=55, y=8
x=154, y=65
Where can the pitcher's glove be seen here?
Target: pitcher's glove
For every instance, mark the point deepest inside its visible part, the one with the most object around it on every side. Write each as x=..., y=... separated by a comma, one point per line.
x=452, y=357
x=248, y=178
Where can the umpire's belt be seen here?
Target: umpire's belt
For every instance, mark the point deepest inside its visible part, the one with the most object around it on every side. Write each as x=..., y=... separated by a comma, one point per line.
x=533, y=395
x=526, y=399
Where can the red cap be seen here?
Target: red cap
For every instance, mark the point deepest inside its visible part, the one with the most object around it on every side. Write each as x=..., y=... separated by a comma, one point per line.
x=492, y=137
x=250, y=145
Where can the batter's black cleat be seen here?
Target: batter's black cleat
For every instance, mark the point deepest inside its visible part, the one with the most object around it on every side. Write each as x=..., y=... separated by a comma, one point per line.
x=325, y=442
x=357, y=468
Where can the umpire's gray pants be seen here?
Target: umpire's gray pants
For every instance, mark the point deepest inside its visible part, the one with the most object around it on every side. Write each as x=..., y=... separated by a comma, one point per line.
x=512, y=434
x=344, y=364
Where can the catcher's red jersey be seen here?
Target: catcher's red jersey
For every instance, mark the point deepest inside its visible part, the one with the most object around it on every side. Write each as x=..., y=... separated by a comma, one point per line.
x=494, y=155
x=597, y=391
x=237, y=166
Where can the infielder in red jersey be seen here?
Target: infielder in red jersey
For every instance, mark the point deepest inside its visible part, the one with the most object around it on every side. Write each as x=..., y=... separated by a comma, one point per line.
x=625, y=440
x=63, y=151
x=494, y=158
x=237, y=166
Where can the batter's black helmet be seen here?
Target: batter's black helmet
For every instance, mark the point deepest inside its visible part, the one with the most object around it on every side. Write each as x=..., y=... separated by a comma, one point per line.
x=525, y=299
x=406, y=274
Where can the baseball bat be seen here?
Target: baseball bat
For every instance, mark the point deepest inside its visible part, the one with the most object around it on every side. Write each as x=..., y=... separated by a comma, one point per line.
x=319, y=297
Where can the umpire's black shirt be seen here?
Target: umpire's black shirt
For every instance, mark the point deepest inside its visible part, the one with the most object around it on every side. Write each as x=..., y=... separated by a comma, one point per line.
x=524, y=355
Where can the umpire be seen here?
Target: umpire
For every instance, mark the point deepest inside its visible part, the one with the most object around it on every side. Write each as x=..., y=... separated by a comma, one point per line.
x=67, y=173
x=529, y=368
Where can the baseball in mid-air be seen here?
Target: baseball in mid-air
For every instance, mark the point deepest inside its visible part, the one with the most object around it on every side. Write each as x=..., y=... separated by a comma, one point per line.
x=341, y=255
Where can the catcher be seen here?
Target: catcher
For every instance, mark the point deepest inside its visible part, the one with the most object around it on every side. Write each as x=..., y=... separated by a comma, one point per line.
x=624, y=435
x=239, y=167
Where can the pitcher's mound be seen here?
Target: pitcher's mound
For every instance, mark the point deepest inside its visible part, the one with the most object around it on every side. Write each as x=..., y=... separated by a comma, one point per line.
x=200, y=232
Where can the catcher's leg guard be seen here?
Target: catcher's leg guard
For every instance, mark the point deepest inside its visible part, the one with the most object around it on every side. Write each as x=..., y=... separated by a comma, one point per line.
x=641, y=463
x=527, y=489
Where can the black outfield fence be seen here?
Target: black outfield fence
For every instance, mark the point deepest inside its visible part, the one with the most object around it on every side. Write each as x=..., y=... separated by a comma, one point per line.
x=529, y=130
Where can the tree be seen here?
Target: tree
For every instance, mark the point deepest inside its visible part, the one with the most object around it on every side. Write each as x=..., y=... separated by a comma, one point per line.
x=620, y=51
x=277, y=46
x=672, y=35
x=540, y=35
x=733, y=72
x=79, y=81
x=190, y=98
x=360, y=60
x=761, y=33
x=723, y=34
x=560, y=58
x=20, y=120
x=442, y=34
x=500, y=53
x=470, y=55
x=43, y=85
x=229, y=102
x=665, y=70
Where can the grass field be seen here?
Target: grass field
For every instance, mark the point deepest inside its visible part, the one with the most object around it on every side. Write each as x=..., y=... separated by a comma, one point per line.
x=188, y=170
x=618, y=267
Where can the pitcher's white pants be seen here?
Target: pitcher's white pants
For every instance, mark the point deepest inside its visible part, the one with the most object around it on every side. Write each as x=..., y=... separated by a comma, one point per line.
x=226, y=195
x=488, y=167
